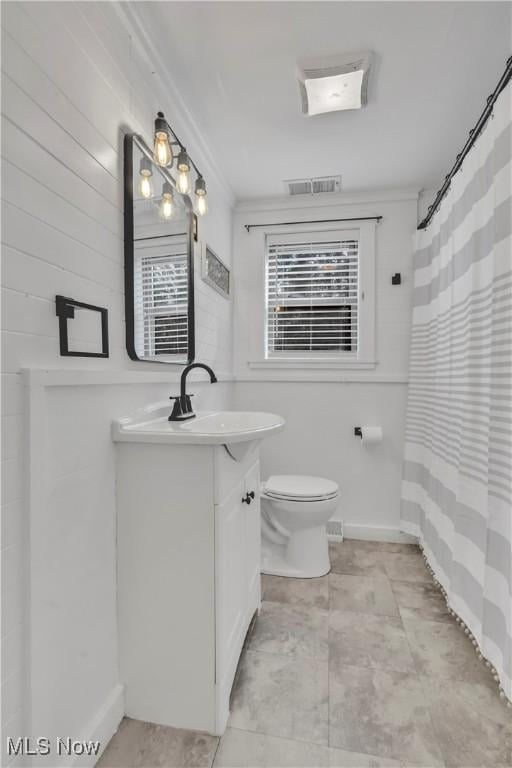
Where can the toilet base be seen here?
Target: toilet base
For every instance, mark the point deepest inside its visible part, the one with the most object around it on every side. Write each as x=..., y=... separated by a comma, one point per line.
x=304, y=556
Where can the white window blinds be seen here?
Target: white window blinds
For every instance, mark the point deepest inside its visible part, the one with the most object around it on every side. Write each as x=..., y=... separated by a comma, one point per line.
x=161, y=300
x=312, y=291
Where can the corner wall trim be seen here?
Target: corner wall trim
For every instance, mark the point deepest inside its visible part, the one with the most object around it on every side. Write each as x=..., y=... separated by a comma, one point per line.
x=103, y=726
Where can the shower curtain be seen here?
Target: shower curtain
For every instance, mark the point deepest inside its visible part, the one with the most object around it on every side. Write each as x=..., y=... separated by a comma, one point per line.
x=457, y=478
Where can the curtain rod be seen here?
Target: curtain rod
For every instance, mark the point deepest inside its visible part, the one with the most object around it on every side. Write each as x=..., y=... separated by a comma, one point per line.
x=473, y=135
x=312, y=221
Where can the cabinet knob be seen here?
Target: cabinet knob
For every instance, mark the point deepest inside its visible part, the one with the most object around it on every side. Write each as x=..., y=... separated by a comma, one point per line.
x=247, y=498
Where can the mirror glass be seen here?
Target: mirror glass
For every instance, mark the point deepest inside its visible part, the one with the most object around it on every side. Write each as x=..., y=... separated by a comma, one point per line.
x=159, y=275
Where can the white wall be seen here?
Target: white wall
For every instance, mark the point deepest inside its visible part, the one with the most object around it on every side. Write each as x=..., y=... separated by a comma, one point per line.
x=75, y=76
x=323, y=407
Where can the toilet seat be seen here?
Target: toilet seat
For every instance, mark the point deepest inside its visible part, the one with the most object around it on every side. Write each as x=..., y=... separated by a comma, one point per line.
x=299, y=488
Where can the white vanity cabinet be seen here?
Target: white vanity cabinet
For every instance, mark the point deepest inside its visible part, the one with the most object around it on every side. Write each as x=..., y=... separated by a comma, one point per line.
x=188, y=575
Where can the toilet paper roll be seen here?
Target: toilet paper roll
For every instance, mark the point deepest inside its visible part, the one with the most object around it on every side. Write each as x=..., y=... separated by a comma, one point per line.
x=371, y=435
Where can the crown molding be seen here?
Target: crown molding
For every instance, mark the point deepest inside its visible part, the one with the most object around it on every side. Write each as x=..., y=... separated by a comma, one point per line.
x=306, y=202
x=169, y=93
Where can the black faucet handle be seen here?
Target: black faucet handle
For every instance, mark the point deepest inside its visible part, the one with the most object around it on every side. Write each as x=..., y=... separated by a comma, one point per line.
x=187, y=405
x=177, y=411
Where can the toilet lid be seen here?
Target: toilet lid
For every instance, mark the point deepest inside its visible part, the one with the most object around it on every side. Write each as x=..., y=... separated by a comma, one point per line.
x=300, y=487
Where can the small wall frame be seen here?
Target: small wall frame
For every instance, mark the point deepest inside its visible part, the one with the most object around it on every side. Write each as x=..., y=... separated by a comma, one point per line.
x=215, y=273
x=65, y=310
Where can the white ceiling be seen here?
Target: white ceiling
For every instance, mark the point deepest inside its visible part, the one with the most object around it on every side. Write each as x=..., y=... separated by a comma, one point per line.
x=436, y=63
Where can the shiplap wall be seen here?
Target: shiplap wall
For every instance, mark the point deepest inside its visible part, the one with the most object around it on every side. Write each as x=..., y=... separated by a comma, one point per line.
x=73, y=79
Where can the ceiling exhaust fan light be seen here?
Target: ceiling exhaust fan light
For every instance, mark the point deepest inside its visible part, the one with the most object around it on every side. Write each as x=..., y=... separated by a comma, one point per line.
x=331, y=94
x=334, y=84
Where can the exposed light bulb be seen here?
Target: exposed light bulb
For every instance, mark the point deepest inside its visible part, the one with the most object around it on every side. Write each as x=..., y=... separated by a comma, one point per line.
x=200, y=190
x=202, y=205
x=163, y=150
x=145, y=171
x=145, y=187
x=183, y=180
x=166, y=206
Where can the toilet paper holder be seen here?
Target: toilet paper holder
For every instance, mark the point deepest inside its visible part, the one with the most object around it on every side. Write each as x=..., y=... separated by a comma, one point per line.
x=358, y=432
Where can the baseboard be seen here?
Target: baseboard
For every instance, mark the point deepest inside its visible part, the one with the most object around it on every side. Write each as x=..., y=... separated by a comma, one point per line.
x=103, y=726
x=375, y=533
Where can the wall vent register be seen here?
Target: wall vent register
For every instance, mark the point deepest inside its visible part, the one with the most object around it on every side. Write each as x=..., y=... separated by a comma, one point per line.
x=312, y=295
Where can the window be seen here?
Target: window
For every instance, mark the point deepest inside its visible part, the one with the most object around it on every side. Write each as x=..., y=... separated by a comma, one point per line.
x=312, y=295
x=161, y=282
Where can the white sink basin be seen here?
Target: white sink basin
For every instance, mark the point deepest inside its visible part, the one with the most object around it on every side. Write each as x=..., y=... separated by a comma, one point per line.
x=208, y=427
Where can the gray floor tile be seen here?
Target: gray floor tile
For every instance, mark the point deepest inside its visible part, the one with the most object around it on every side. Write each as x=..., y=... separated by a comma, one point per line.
x=380, y=546
x=363, y=640
x=306, y=592
x=282, y=696
x=442, y=650
x=246, y=749
x=420, y=601
x=145, y=745
x=473, y=726
x=406, y=567
x=340, y=758
x=381, y=713
x=290, y=629
x=361, y=594
x=355, y=558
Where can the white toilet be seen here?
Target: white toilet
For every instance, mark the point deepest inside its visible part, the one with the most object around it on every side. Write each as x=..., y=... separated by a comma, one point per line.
x=294, y=512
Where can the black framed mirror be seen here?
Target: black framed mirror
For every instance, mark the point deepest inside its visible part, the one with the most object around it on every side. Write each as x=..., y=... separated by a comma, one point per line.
x=158, y=261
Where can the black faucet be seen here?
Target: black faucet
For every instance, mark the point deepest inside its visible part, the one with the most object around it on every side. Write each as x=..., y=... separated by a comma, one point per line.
x=182, y=408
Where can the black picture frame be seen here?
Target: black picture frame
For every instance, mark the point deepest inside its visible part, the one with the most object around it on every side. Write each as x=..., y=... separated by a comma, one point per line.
x=130, y=140
x=65, y=310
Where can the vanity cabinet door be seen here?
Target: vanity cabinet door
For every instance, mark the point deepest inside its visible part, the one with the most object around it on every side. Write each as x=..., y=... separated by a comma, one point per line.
x=253, y=536
x=230, y=582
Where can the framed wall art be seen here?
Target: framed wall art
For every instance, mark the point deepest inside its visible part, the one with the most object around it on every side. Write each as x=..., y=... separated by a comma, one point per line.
x=215, y=273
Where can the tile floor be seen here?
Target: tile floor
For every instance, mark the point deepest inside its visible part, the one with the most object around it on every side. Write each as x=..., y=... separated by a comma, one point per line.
x=362, y=668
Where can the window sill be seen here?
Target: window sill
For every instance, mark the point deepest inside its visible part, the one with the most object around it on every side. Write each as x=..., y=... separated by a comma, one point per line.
x=313, y=365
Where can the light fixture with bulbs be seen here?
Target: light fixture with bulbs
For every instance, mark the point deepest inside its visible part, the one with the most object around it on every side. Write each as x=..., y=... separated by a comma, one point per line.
x=164, y=141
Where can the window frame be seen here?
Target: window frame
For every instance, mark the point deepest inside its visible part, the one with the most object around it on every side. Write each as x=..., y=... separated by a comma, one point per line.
x=364, y=358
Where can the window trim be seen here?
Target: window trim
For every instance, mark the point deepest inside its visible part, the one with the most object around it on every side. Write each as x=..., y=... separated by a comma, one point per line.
x=364, y=358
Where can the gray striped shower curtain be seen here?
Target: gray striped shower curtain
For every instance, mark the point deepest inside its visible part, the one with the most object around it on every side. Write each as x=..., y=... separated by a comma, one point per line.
x=457, y=478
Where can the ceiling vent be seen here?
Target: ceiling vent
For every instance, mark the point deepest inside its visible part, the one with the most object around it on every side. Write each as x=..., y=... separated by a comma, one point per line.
x=334, y=83
x=320, y=185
